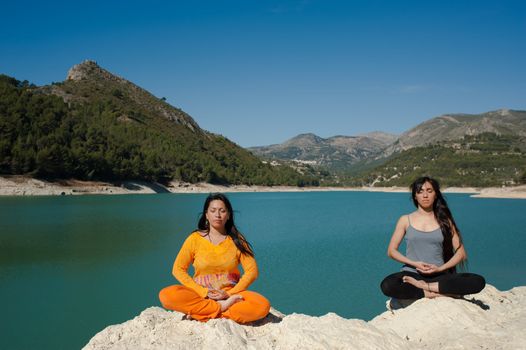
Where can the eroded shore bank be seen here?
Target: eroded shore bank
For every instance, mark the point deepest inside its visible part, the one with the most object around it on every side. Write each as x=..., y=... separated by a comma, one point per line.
x=25, y=186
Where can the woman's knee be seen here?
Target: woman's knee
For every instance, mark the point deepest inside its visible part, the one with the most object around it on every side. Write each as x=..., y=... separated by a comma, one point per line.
x=264, y=306
x=259, y=305
x=478, y=283
x=168, y=294
x=384, y=287
x=256, y=298
x=387, y=286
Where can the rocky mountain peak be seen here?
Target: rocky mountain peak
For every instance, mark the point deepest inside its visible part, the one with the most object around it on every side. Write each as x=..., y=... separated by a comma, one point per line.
x=85, y=70
x=90, y=70
x=305, y=139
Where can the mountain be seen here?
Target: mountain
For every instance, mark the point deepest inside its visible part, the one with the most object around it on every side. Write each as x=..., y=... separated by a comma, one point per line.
x=336, y=153
x=90, y=79
x=381, y=136
x=487, y=149
x=479, y=150
x=455, y=126
x=98, y=126
x=481, y=160
x=350, y=152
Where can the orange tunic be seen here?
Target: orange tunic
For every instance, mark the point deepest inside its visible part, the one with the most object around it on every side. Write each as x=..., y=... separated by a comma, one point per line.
x=216, y=266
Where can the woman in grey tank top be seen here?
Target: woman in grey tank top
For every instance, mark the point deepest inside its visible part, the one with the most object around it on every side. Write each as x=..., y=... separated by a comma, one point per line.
x=434, y=249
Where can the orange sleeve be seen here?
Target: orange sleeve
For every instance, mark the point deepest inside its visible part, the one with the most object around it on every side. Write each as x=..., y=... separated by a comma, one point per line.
x=180, y=269
x=250, y=274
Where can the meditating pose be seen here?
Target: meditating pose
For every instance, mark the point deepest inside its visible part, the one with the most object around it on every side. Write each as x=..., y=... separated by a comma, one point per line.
x=217, y=290
x=434, y=249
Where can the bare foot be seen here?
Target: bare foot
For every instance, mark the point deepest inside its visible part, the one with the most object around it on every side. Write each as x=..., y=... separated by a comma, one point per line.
x=417, y=283
x=426, y=287
x=225, y=304
x=430, y=295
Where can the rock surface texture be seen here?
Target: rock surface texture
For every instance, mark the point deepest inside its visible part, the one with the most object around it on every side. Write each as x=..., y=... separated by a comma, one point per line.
x=489, y=320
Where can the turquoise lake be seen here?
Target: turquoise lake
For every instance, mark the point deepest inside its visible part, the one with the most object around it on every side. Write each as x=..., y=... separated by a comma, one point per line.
x=70, y=266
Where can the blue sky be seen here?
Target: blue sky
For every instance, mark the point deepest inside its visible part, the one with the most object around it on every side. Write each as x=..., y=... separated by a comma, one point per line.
x=261, y=72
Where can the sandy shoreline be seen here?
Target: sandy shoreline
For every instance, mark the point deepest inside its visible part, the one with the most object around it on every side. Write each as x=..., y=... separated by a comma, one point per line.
x=24, y=186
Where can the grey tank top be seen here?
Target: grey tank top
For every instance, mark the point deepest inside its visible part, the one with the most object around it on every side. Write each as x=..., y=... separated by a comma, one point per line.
x=423, y=246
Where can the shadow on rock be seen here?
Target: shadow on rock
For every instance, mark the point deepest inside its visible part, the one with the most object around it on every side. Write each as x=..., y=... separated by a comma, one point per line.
x=477, y=302
x=396, y=304
x=273, y=316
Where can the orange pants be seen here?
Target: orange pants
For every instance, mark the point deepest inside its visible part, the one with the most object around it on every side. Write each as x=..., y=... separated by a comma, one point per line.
x=253, y=307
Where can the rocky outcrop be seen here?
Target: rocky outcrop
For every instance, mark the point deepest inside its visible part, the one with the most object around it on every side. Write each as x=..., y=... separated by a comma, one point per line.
x=489, y=320
x=89, y=72
x=456, y=126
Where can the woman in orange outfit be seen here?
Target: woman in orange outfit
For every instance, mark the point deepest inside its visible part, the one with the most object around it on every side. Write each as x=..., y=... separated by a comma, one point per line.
x=217, y=289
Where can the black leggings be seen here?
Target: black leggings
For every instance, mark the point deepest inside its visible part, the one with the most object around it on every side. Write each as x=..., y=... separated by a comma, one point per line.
x=448, y=283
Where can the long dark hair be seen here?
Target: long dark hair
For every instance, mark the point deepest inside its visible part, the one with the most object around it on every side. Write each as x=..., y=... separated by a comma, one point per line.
x=231, y=229
x=442, y=215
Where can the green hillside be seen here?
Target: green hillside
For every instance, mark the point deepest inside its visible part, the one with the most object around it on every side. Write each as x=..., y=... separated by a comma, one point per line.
x=483, y=160
x=101, y=127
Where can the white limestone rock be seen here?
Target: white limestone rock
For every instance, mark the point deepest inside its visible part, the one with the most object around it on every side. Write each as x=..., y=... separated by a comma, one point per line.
x=489, y=320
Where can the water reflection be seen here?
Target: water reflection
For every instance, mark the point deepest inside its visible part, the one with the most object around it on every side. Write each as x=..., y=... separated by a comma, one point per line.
x=90, y=229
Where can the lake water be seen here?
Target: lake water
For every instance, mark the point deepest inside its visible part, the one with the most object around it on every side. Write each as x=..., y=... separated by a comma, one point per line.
x=70, y=266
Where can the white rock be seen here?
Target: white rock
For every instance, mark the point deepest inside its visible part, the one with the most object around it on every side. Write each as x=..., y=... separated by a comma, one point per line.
x=488, y=320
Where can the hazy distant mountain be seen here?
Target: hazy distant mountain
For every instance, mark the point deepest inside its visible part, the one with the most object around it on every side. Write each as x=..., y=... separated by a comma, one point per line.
x=337, y=152
x=98, y=126
x=455, y=126
x=381, y=136
x=487, y=149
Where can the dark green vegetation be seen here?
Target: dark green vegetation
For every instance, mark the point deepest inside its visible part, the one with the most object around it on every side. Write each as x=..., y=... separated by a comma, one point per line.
x=96, y=126
x=482, y=160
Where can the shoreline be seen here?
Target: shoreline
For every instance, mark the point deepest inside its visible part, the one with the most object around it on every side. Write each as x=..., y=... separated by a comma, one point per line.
x=26, y=186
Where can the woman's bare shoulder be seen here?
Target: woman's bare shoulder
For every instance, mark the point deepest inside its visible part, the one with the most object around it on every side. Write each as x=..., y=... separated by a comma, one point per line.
x=404, y=220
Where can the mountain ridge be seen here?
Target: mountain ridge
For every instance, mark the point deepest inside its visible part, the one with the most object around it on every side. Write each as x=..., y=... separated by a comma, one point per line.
x=98, y=126
x=335, y=152
x=90, y=71
x=378, y=145
x=486, y=149
x=449, y=127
